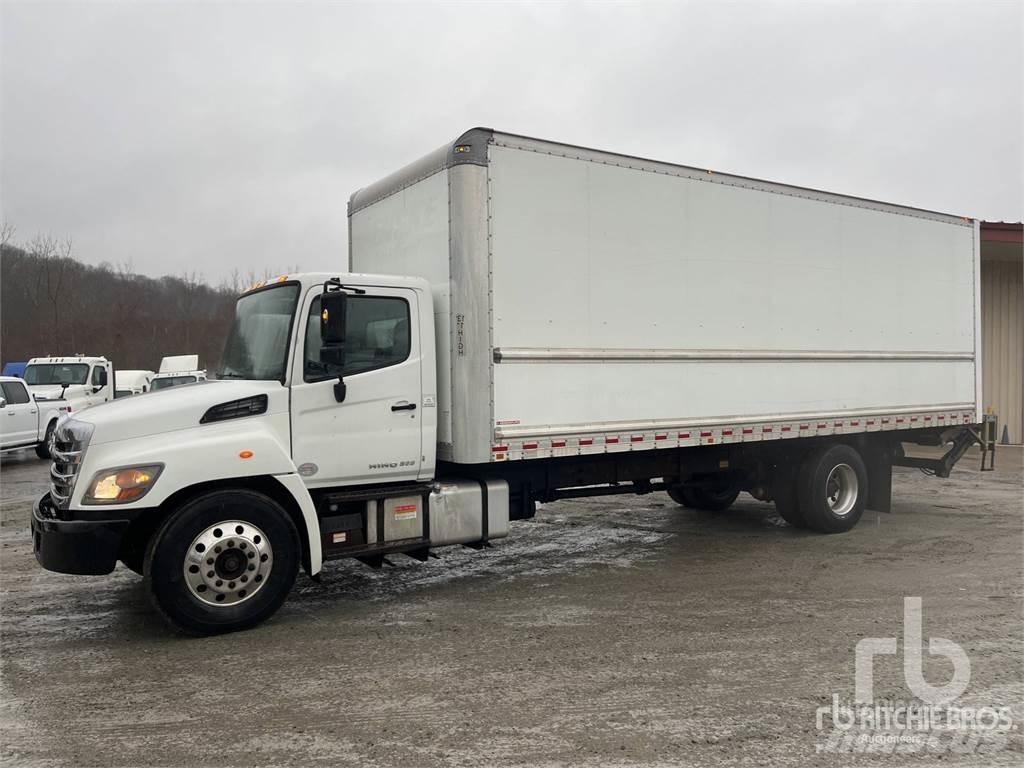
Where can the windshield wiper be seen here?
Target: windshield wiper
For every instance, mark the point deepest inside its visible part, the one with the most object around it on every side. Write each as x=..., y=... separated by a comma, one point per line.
x=231, y=375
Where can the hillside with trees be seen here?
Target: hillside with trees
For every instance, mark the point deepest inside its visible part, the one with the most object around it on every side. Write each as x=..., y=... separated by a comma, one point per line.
x=52, y=304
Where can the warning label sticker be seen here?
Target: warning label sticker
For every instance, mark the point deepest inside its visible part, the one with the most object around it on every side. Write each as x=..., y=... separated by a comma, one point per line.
x=405, y=512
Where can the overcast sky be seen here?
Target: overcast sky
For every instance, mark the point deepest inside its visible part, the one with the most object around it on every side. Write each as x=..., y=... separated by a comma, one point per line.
x=198, y=136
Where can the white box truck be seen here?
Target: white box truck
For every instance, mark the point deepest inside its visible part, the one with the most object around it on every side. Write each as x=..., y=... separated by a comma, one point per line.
x=527, y=321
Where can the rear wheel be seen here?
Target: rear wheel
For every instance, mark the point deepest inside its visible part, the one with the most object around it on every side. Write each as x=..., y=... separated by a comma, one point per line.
x=712, y=498
x=43, y=448
x=681, y=496
x=833, y=488
x=225, y=561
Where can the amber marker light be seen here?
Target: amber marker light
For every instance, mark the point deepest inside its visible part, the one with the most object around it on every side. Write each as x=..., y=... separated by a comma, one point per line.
x=245, y=454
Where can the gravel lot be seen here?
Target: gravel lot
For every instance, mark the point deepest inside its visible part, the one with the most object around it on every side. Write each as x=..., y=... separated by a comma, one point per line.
x=618, y=631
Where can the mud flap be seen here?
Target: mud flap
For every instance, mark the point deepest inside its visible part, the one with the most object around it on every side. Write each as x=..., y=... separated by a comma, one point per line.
x=879, y=467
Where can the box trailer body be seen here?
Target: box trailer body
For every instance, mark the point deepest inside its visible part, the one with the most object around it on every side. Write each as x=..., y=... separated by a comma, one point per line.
x=524, y=321
x=588, y=302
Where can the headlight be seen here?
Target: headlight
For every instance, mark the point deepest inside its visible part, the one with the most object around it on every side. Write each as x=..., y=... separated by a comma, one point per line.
x=122, y=485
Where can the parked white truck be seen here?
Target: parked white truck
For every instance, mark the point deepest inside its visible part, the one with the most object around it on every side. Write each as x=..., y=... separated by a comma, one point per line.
x=527, y=321
x=132, y=382
x=80, y=380
x=176, y=371
x=27, y=421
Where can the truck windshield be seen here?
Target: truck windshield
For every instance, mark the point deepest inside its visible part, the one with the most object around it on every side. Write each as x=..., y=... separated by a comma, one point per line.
x=257, y=346
x=56, y=373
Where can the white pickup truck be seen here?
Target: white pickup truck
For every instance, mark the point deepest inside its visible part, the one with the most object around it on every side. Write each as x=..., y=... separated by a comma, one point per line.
x=526, y=321
x=25, y=420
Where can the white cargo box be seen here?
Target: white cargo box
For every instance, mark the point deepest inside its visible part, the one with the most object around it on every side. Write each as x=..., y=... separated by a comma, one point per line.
x=589, y=302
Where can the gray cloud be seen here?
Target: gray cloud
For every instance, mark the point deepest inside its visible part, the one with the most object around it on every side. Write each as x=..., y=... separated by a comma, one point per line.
x=188, y=136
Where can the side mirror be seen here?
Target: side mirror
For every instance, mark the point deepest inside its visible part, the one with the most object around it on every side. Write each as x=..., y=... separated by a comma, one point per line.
x=333, y=309
x=3, y=402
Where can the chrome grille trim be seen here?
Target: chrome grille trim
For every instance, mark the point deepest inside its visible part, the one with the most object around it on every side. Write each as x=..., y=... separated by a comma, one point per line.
x=70, y=440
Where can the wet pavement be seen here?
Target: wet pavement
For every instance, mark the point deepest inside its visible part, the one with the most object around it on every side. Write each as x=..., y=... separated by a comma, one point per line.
x=615, y=631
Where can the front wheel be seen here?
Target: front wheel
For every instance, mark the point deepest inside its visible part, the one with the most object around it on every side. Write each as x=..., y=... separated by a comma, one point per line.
x=225, y=561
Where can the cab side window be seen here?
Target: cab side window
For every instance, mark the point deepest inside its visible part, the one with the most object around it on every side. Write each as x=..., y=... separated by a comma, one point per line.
x=15, y=392
x=96, y=373
x=376, y=336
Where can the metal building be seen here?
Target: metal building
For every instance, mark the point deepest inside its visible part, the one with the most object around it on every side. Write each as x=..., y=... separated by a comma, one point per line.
x=1002, y=325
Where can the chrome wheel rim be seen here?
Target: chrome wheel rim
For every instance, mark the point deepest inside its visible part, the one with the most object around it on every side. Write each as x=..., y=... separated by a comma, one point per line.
x=228, y=563
x=841, y=490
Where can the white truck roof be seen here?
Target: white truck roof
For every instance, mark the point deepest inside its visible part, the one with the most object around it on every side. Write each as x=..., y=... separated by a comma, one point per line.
x=179, y=363
x=67, y=359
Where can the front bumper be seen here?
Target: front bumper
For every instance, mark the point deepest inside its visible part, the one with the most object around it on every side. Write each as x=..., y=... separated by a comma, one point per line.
x=84, y=547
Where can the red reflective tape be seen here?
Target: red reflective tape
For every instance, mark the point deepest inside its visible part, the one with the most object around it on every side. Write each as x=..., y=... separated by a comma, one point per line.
x=913, y=418
x=766, y=429
x=558, y=443
x=684, y=435
x=885, y=421
x=611, y=439
x=748, y=431
x=726, y=432
x=529, y=446
x=899, y=421
x=941, y=417
x=822, y=426
x=586, y=441
x=854, y=423
x=786, y=429
x=661, y=437
x=805, y=426
x=838, y=424
x=705, y=434
x=871, y=422
x=499, y=448
x=927, y=418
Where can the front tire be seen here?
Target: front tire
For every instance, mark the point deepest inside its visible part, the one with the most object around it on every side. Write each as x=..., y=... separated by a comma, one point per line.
x=833, y=488
x=225, y=561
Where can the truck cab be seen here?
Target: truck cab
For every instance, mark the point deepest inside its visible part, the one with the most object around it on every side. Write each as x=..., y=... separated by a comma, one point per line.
x=80, y=380
x=305, y=451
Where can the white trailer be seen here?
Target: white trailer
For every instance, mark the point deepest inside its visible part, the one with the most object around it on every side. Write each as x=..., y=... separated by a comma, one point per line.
x=527, y=321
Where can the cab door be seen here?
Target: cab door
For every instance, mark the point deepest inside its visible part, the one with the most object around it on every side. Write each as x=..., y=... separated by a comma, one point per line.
x=19, y=418
x=99, y=388
x=373, y=435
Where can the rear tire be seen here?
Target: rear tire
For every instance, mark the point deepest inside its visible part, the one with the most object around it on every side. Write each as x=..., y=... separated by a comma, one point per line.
x=43, y=448
x=832, y=488
x=225, y=561
x=714, y=500
x=682, y=496
x=704, y=499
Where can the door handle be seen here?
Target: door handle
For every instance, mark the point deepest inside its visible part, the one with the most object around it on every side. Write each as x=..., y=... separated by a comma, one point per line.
x=405, y=407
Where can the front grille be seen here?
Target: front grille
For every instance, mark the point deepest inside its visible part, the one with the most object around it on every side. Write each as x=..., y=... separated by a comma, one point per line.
x=67, y=450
